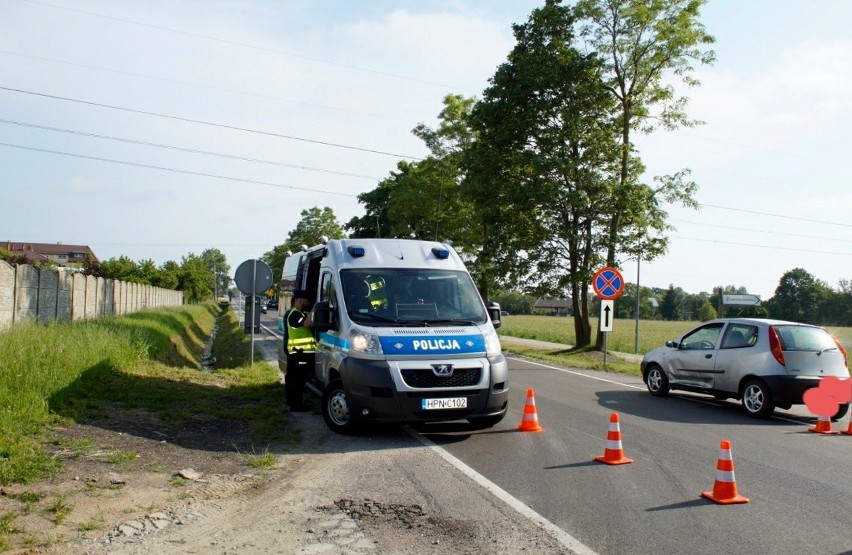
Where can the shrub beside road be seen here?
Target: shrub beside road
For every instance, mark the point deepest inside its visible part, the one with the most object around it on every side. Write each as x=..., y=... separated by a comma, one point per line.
x=125, y=395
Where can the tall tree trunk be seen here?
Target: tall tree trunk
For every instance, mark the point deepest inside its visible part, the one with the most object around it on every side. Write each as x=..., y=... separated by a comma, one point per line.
x=615, y=221
x=582, y=326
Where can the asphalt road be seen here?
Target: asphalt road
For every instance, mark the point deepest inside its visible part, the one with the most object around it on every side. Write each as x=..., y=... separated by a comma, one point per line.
x=798, y=483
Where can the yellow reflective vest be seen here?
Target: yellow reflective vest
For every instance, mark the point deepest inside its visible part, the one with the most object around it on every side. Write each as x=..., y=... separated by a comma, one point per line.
x=301, y=337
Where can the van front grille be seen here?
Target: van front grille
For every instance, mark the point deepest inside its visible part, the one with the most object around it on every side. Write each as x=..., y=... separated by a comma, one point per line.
x=426, y=378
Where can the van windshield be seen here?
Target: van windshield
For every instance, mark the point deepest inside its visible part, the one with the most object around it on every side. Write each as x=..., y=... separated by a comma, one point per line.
x=392, y=296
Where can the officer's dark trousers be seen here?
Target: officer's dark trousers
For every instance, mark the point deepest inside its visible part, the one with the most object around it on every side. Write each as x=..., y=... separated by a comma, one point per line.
x=299, y=366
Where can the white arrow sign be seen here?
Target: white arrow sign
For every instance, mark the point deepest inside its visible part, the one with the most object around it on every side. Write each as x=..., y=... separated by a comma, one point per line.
x=607, y=314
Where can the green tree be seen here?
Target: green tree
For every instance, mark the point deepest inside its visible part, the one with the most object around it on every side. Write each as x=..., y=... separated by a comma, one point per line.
x=515, y=302
x=423, y=199
x=539, y=168
x=375, y=222
x=625, y=305
x=641, y=43
x=121, y=268
x=91, y=266
x=672, y=304
x=146, y=272
x=838, y=307
x=706, y=311
x=799, y=297
x=168, y=276
x=219, y=269
x=194, y=279
x=315, y=223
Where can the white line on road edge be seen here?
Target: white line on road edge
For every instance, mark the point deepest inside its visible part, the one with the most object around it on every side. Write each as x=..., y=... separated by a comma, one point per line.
x=566, y=371
x=561, y=535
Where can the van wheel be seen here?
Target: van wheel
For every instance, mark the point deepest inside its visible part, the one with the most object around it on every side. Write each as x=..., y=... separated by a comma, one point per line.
x=657, y=382
x=841, y=412
x=757, y=399
x=335, y=410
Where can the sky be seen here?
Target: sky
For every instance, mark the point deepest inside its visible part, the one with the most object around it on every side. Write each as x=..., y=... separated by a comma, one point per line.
x=158, y=129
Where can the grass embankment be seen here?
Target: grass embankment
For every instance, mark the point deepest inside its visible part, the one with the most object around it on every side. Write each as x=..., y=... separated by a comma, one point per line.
x=148, y=361
x=622, y=338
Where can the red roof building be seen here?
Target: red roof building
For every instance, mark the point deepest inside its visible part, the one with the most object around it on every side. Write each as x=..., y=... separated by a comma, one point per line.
x=59, y=253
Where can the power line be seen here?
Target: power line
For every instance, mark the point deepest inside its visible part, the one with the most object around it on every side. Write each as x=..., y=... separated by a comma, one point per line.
x=189, y=150
x=173, y=170
x=244, y=45
x=770, y=232
x=189, y=83
x=775, y=215
x=202, y=122
x=783, y=248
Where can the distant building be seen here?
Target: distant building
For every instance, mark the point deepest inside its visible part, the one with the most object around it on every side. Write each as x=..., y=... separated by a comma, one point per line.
x=71, y=256
x=560, y=307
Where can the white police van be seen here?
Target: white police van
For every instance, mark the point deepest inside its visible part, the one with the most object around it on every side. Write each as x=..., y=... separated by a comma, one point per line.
x=404, y=336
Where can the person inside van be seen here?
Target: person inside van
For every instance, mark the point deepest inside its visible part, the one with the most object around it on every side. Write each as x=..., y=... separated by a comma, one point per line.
x=357, y=293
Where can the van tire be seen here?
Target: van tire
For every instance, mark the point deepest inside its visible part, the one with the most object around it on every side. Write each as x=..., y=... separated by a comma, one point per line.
x=335, y=410
x=757, y=399
x=841, y=412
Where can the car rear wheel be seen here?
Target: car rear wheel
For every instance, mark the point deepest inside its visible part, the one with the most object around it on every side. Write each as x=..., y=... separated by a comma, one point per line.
x=657, y=382
x=841, y=412
x=335, y=409
x=757, y=399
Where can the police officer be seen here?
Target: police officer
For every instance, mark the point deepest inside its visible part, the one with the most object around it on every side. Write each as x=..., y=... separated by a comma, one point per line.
x=301, y=350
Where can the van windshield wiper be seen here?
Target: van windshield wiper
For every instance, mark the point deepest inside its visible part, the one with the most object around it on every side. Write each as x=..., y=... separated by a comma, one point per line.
x=375, y=317
x=457, y=321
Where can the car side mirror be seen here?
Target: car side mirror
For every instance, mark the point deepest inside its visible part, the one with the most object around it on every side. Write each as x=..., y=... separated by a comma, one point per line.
x=672, y=344
x=322, y=317
x=494, y=313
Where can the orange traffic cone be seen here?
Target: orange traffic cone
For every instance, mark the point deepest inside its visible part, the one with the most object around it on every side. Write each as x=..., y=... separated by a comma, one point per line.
x=614, y=453
x=849, y=431
x=823, y=426
x=529, y=423
x=725, y=487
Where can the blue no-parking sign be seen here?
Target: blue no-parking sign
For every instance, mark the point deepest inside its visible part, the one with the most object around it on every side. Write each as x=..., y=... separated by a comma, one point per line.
x=608, y=283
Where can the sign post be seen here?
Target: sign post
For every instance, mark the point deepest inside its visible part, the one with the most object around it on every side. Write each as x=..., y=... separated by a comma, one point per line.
x=608, y=284
x=253, y=276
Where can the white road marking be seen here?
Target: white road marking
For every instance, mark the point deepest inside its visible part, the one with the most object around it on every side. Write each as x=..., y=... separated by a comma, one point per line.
x=558, y=533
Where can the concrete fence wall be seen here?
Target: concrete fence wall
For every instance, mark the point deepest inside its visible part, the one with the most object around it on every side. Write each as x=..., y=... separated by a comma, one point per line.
x=30, y=294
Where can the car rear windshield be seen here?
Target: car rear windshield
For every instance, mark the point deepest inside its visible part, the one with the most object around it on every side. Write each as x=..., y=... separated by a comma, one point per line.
x=804, y=338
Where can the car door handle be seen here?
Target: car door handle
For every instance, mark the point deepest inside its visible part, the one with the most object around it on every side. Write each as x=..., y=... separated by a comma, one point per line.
x=708, y=355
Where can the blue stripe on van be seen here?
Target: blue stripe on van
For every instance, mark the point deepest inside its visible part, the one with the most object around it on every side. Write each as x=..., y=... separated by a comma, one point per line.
x=334, y=341
x=438, y=344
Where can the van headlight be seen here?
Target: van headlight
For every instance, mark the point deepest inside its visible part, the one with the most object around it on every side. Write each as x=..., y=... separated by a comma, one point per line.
x=367, y=343
x=492, y=343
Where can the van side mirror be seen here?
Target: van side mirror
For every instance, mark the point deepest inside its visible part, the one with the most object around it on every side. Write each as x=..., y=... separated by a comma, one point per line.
x=494, y=313
x=322, y=316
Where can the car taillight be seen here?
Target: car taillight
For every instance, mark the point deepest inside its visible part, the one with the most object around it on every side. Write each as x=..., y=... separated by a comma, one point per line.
x=842, y=350
x=775, y=346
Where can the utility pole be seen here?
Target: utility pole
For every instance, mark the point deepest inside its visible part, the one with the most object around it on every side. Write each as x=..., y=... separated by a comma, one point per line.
x=638, y=289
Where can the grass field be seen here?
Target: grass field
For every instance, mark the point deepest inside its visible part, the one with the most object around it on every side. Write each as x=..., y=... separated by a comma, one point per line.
x=622, y=338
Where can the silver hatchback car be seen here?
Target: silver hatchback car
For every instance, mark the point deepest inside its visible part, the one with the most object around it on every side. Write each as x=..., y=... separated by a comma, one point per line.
x=765, y=363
